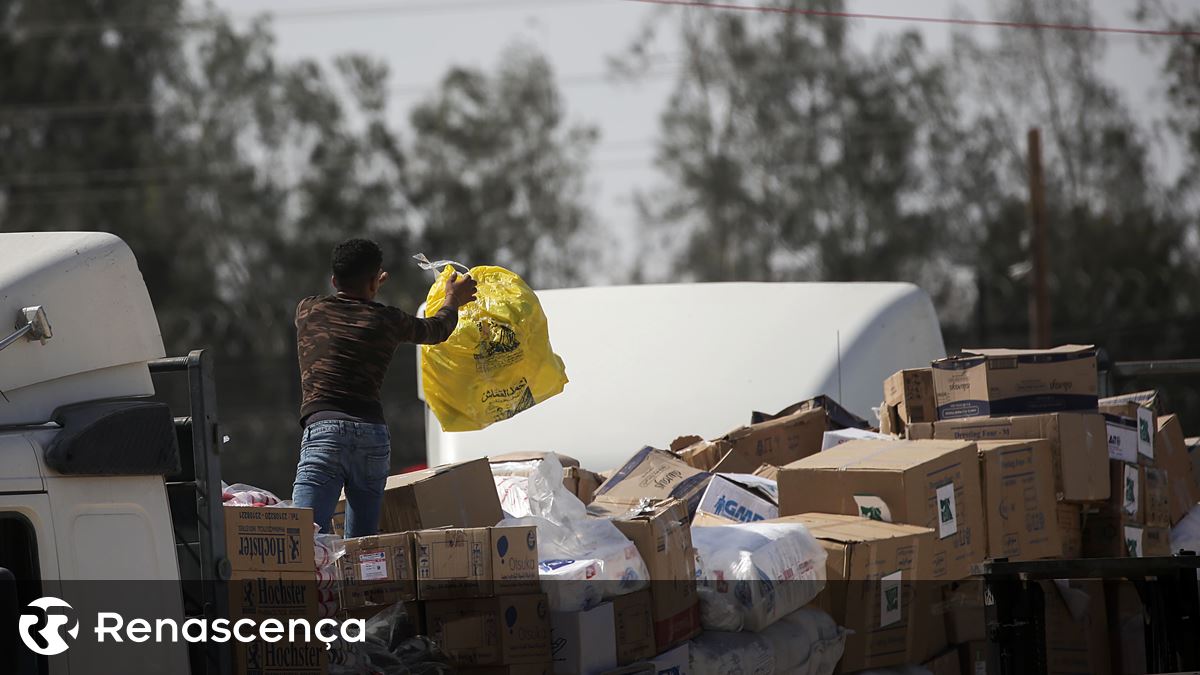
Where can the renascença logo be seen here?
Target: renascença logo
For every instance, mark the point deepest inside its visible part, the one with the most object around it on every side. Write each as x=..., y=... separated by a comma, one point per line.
x=42, y=630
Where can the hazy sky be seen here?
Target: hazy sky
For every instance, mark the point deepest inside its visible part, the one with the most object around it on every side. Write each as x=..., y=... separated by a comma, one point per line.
x=420, y=39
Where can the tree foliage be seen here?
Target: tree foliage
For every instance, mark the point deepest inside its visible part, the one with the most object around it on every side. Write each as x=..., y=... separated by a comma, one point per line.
x=231, y=174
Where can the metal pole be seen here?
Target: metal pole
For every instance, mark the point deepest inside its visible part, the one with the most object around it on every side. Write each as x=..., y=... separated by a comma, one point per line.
x=1039, y=294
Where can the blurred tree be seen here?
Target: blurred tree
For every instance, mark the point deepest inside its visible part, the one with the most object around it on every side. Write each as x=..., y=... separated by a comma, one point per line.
x=231, y=175
x=792, y=154
x=497, y=174
x=1118, y=245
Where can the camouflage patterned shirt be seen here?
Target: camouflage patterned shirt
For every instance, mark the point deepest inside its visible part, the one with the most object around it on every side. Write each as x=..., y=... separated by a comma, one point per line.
x=345, y=347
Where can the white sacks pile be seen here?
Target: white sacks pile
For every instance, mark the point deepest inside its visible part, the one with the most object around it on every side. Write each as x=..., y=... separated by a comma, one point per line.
x=805, y=642
x=582, y=560
x=750, y=575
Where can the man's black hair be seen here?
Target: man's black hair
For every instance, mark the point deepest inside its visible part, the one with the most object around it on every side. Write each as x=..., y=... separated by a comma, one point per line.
x=356, y=261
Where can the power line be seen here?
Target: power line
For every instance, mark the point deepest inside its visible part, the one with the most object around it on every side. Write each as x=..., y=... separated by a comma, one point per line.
x=288, y=15
x=406, y=90
x=1119, y=30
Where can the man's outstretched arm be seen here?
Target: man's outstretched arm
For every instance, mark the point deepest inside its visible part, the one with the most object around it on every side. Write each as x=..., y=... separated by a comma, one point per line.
x=459, y=291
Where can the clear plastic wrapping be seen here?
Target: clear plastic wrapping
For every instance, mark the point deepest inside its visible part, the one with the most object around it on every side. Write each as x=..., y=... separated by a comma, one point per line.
x=583, y=560
x=750, y=575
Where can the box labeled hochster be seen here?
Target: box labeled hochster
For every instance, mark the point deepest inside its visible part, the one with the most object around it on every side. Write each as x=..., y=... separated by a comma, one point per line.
x=1077, y=442
x=281, y=596
x=999, y=382
x=871, y=571
x=476, y=562
x=1018, y=489
x=503, y=630
x=269, y=539
x=377, y=570
x=933, y=484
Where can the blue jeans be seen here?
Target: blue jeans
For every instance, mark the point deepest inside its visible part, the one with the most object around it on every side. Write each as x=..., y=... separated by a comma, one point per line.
x=337, y=453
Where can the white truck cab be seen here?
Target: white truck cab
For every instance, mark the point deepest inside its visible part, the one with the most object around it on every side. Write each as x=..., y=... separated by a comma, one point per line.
x=87, y=462
x=650, y=363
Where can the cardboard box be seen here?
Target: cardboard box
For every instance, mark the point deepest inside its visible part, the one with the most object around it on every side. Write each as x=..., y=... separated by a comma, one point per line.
x=634, y=624
x=675, y=661
x=451, y=495
x=650, y=474
x=1126, y=405
x=1077, y=441
x=1122, y=435
x=413, y=614
x=583, y=643
x=1070, y=529
x=377, y=570
x=871, y=570
x=836, y=417
x=1001, y=382
x=974, y=657
x=966, y=619
x=1075, y=627
x=1106, y=536
x=1156, y=541
x=1019, y=495
x=258, y=596
x=699, y=453
x=582, y=483
x=1171, y=454
x=908, y=397
x=515, y=669
x=477, y=562
x=770, y=472
x=1126, y=628
x=664, y=540
x=948, y=663
x=835, y=438
x=776, y=441
x=1128, y=487
x=503, y=630
x=1156, y=497
x=269, y=539
x=933, y=484
x=740, y=498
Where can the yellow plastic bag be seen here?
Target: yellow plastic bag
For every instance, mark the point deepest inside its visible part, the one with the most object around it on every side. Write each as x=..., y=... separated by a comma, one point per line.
x=498, y=361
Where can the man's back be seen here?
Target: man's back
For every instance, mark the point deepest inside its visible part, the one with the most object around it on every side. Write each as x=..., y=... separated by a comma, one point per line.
x=345, y=346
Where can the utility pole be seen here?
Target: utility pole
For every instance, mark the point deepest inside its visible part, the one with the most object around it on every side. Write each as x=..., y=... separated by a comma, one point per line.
x=1039, y=293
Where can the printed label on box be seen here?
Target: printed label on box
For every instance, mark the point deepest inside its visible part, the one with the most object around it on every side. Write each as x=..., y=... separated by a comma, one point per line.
x=1133, y=541
x=372, y=565
x=889, y=599
x=1129, y=503
x=947, y=511
x=1146, y=430
x=870, y=506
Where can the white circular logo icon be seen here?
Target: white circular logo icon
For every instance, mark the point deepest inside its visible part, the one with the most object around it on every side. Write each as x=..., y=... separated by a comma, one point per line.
x=42, y=628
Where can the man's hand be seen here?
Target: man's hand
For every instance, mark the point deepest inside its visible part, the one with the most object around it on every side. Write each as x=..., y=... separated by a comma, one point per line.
x=459, y=290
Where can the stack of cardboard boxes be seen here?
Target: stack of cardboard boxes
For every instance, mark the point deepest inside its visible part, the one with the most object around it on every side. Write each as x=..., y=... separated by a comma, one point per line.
x=470, y=585
x=1063, y=474
x=274, y=576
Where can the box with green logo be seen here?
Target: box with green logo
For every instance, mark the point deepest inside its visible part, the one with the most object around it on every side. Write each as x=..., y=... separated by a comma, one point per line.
x=933, y=484
x=871, y=571
x=476, y=562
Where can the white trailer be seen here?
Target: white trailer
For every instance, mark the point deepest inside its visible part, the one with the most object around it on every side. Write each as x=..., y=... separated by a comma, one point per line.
x=650, y=363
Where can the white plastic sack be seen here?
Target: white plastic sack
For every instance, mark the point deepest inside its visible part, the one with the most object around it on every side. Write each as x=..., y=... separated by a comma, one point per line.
x=806, y=642
x=1186, y=533
x=749, y=575
x=582, y=560
x=836, y=437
